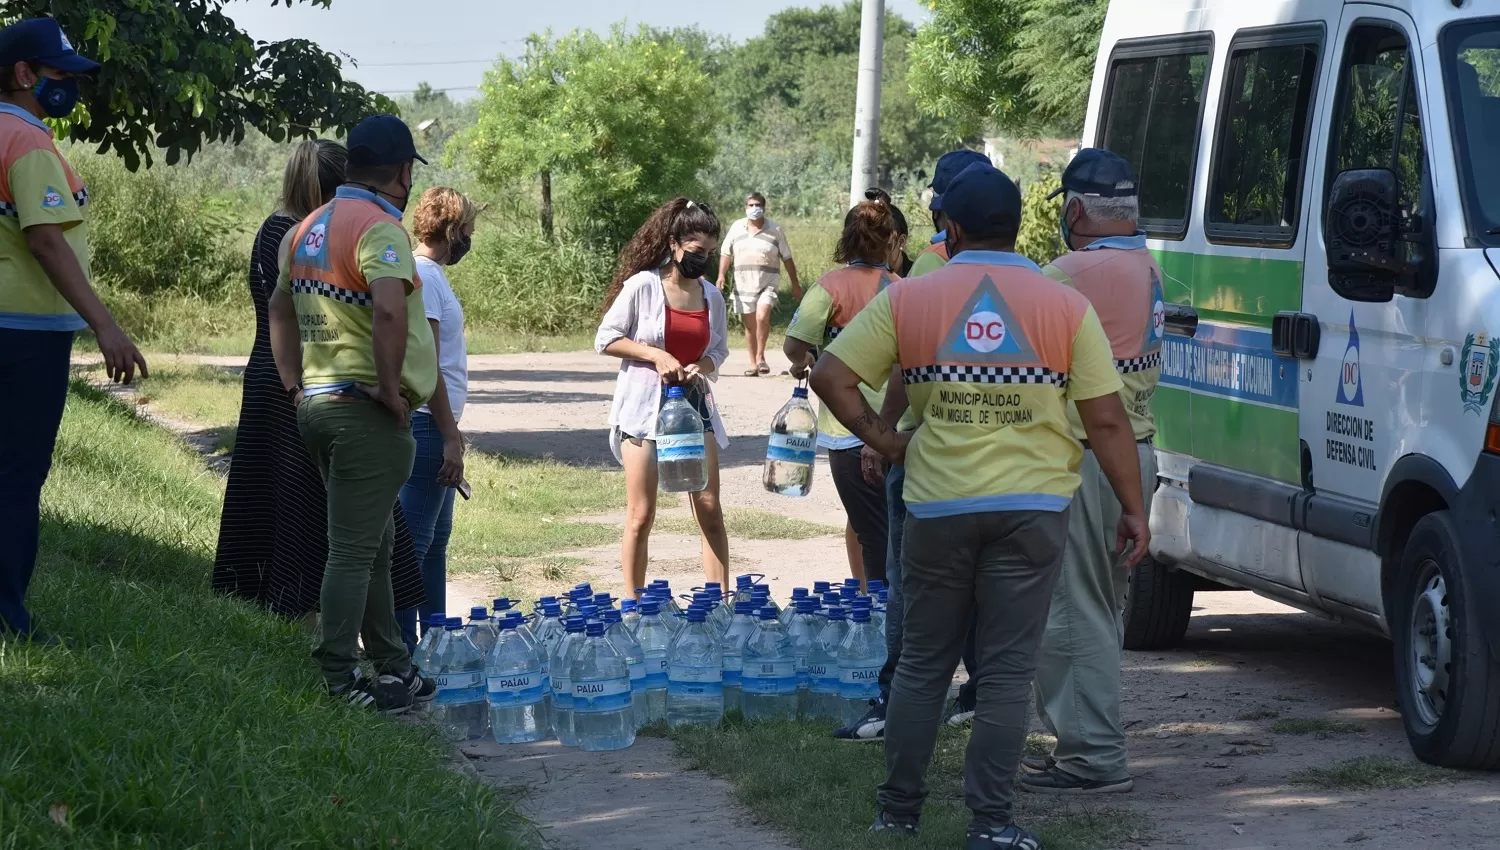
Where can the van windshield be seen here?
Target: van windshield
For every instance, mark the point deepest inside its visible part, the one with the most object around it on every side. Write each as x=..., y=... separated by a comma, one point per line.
x=1471, y=59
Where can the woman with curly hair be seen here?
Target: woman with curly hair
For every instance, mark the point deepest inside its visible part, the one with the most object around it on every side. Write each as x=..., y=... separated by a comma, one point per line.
x=667, y=325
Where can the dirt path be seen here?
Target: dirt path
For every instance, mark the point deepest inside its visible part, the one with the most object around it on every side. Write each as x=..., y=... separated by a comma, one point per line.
x=1213, y=768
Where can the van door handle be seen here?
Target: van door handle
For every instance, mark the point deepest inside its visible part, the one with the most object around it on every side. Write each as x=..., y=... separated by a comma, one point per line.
x=1180, y=320
x=1295, y=335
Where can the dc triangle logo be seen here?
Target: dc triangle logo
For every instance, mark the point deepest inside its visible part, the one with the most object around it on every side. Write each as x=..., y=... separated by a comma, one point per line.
x=1351, y=382
x=984, y=331
x=1158, y=314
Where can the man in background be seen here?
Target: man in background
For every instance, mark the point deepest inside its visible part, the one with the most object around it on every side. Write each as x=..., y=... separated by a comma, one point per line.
x=757, y=248
x=1078, y=668
x=45, y=296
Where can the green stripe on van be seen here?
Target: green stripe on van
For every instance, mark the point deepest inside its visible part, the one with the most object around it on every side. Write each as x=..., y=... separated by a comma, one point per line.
x=1243, y=290
x=1248, y=437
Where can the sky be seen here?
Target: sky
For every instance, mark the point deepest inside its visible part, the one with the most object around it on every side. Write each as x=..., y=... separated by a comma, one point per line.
x=450, y=43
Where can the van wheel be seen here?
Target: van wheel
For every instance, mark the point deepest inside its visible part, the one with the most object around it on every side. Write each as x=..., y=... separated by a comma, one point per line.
x=1158, y=602
x=1447, y=680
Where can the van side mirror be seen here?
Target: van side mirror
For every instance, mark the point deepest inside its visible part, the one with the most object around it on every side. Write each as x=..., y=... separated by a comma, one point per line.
x=1375, y=248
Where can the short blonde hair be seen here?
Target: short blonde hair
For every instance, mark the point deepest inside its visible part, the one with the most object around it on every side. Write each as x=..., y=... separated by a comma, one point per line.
x=313, y=173
x=441, y=214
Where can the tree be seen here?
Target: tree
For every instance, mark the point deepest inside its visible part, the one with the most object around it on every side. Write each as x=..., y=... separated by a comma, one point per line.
x=1021, y=65
x=619, y=121
x=180, y=73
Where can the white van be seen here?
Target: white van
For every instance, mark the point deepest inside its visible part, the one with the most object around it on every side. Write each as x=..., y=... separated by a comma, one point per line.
x=1320, y=181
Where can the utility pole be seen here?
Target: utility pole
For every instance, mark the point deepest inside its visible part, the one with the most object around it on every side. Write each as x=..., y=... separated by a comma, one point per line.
x=866, y=170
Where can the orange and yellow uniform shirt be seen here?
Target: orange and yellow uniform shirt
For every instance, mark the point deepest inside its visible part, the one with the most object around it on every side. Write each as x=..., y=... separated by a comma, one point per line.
x=991, y=351
x=37, y=186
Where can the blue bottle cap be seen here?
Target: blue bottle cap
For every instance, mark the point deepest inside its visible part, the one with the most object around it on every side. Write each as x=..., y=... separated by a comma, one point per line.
x=674, y=392
x=863, y=602
x=836, y=614
x=821, y=587
x=455, y=623
x=589, y=611
x=885, y=596
x=547, y=600
x=697, y=615
x=745, y=608
x=610, y=616
x=851, y=582
x=875, y=585
x=833, y=598
x=603, y=600
x=595, y=629
x=799, y=392
x=846, y=592
x=860, y=615
x=712, y=585
x=515, y=617
x=806, y=605
x=574, y=624
x=743, y=581
x=502, y=604
x=552, y=610
x=760, y=590
x=799, y=592
x=660, y=582
x=650, y=608
x=768, y=613
x=627, y=605
x=506, y=624
x=479, y=612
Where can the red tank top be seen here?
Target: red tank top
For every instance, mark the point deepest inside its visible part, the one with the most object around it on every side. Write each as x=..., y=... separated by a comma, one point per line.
x=687, y=334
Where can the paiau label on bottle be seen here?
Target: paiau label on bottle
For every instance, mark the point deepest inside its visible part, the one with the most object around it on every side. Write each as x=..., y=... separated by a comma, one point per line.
x=516, y=689
x=678, y=447
x=601, y=695
x=792, y=448
x=459, y=688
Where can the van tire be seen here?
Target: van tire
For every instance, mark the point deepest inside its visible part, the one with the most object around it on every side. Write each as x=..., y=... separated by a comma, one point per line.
x=1440, y=649
x=1158, y=603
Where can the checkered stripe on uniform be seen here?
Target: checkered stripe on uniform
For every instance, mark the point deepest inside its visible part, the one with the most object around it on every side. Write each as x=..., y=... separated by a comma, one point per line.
x=9, y=209
x=328, y=290
x=81, y=196
x=833, y=332
x=985, y=375
x=1138, y=364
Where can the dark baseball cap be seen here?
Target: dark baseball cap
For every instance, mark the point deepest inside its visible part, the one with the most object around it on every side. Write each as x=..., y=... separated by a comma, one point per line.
x=41, y=40
x=979, y=195
x=949, y=165
x=1101, y=173
x=382, y=140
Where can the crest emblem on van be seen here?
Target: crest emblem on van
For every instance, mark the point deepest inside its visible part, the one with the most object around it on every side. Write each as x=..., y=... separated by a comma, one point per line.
x=1480, y=362
x=1351, y=383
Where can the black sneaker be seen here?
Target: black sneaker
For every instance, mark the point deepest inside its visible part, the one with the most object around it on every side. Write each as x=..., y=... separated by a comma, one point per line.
x=1059, y=783
x=1010, y=838
x=892, y=825
x=867, y=729
x=958, y=712
x=1038, y=764
x=421, y=688
x=387, y=695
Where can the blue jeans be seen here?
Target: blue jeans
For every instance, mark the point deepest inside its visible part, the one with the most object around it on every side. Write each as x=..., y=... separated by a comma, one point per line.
x=428, y=507
x=895, y=609
x=34, y=379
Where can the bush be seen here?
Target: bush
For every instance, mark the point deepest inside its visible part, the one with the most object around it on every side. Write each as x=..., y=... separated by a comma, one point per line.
x=1040, y=239
x=518, y=280
x=158, y=232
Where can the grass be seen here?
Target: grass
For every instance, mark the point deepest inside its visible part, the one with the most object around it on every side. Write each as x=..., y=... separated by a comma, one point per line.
x=773, y=765
x=178, y=718
x=206, y=396
x=748, y=524
x=1259, y=714
x=1322, y=726
x=1373, y=773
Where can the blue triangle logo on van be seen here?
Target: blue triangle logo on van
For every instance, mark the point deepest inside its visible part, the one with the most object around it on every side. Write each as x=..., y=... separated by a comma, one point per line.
x=1351, y=382
x=986, y=332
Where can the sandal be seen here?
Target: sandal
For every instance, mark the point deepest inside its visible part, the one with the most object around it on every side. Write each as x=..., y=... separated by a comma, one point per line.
x=764, y=368
x=752, y=372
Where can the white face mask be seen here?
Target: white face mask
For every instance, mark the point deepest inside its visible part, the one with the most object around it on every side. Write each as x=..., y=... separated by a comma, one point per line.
x=755, y=213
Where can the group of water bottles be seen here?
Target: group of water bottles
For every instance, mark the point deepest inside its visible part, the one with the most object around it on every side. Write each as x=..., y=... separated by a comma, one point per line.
x=790, y=451
x=591, y=674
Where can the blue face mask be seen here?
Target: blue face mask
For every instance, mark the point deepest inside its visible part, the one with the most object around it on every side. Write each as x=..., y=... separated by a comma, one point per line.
x=57, y=97
x=1067, y=233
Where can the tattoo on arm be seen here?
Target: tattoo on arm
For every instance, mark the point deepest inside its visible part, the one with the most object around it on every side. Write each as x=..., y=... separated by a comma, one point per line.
x=868, y=426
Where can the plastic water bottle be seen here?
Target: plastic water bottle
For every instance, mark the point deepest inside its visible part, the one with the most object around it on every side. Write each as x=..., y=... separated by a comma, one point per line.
x=630, y=613
x=732, y=647
x=793, y=447
x=760, y=597
x=435, y=626
x=459, y=708
x=821, y=587
x=502, y=606
x=560, y=664
x=482, y=630
x=803, y=629
x=680, y=455
x=798, y=594
x=861, y=656
x=655, y=638
x=517, y=691
x=603, y=714
x=539, y=610
x=823, y=667
x=695, y=675
x=628, y=646
x=878, y=618
x=742, y=587
x=768, y=672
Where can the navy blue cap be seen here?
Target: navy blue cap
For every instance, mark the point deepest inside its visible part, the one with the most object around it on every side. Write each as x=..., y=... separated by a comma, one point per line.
x=382, y=140
x=949, y=166
x=1101, y=173
x=980, y=194
x=41, y=40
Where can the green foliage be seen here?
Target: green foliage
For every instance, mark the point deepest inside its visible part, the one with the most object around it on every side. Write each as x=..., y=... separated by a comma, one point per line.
x=1040, y=238
x=1020, y=65
x=158, y=232
x=179, y=74
x=520, y=281
x=615, y=118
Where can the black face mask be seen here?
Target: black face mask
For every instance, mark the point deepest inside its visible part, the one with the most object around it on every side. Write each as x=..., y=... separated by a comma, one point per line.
x=692, y=265
x=458, y=250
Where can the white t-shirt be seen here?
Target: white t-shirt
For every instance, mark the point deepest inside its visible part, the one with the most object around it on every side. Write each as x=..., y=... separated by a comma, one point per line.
x=453, y=352
x=757, y=256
